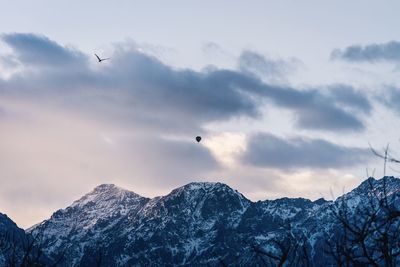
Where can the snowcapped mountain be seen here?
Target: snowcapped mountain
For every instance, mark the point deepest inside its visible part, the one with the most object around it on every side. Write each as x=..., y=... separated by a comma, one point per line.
x=123, y=228
x=199, y=224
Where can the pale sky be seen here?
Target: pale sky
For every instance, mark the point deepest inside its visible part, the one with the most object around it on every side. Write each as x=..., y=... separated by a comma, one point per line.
x=286, y=95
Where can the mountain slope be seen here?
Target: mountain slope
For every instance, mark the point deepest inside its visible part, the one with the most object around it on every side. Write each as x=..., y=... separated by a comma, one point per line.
x=10, y=237
x=89, y=219
x=18, y=248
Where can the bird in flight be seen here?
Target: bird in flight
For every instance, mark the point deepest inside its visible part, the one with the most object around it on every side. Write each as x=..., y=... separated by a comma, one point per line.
x=101, y=59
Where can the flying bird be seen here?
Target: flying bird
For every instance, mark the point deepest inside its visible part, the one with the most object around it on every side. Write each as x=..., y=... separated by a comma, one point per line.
x=101, y=59
x=198, y=139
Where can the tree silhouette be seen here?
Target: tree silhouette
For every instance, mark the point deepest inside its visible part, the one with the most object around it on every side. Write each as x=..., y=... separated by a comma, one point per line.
x=368, y=234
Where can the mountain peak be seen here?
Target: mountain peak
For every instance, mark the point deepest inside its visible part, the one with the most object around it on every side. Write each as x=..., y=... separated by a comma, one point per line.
x=209, y=187
x=391, y=183
x=206, y=201
x=105, y=188
x=204, y=185
x=106, y=193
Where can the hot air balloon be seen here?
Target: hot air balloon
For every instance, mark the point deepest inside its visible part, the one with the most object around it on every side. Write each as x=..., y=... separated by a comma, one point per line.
x=198, y=139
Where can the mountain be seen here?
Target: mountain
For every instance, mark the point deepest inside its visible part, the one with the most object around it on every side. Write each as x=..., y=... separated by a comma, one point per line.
x=202, y=224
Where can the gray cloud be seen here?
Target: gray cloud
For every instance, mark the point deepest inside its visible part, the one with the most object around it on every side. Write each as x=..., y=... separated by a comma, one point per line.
x=270, y=151
x=255, y=63
x=370, y=53
x=391, y=98
x=38, y=50
x=350, y=97
x=137, y=88
x=214, y=50
x=317, y=109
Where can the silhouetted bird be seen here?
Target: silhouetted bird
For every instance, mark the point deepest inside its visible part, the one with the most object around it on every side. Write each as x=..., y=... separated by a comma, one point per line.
x=198, y=139
x=101, y=59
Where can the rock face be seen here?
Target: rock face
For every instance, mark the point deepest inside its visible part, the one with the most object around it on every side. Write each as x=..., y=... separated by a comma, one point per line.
x=198, y=224
x=10, y=234
x=17, y=247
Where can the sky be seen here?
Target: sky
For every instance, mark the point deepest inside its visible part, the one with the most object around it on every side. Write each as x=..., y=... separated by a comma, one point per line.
x=288, y=97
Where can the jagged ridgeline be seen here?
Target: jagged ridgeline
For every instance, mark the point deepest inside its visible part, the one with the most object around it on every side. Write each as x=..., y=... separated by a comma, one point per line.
x=210, y=224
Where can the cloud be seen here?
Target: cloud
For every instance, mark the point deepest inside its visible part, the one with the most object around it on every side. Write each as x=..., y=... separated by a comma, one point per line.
x=137, y=88
x=348, y=96
x=270, y=151
x=273, y=69
x=322, y=109
x=391, y=98
x=214, y=50
x=38, y=50
x=203, y=96
x=132, y=87
x=371, y=53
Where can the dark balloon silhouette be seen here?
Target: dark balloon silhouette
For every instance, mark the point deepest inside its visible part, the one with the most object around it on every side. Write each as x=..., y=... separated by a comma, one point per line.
x=198, y=139
x=101, y=59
